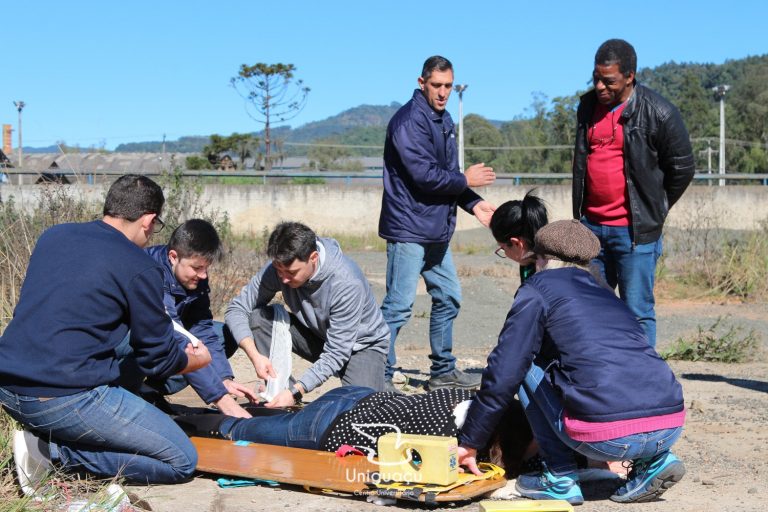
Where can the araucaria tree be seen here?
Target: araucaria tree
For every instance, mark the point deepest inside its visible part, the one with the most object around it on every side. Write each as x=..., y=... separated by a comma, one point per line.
x=271, y=93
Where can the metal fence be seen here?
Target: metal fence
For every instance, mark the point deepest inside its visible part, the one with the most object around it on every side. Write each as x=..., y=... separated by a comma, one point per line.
x=27, y=176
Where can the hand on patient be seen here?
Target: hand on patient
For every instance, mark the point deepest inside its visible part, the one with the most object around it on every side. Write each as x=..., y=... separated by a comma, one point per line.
x=227, y=405
x=282, y=399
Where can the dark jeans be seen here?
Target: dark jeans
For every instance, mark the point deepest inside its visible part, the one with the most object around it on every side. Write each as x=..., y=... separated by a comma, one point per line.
x=364, y=368
x=131, y=376
x=303, y=429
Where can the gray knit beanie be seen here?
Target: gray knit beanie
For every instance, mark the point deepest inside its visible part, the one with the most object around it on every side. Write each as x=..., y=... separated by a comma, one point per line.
x=566, y=240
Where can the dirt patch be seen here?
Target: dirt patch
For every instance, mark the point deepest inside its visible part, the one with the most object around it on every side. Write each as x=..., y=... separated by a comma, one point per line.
x=724, y=445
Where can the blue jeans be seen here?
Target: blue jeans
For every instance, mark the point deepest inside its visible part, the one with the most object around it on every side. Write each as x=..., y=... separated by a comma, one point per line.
x=544, y=411
x=632, y=268
x=107, y=431
x=131, y=375
x=405, y=263
x=303, y=429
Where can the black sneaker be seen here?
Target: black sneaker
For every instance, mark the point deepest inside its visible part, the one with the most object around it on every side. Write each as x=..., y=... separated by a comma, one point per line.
x=203, y=425
x=455, y=379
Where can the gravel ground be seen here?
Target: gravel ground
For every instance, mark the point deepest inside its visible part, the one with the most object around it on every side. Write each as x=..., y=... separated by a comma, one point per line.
x=724, y=446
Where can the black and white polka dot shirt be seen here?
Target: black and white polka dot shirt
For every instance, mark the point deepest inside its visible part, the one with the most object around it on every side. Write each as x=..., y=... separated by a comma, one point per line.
x=381, y=413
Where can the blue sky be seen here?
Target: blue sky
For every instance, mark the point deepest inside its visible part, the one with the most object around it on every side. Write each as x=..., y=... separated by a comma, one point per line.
x=95, y=73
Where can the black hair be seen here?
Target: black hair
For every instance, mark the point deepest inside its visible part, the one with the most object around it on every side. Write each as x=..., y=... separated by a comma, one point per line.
x=617, y=51
x=435, y=63
x=132, y=196
x=196, y=237
x=519, y=218
x=291, y=241
x=509, y=441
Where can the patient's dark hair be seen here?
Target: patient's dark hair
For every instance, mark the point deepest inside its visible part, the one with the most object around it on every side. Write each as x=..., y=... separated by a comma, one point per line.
x=196, y=237
x=519, y=219
x=510, y=441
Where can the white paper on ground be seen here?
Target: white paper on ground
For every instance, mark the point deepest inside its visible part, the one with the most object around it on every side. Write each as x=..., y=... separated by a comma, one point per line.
x=279, y=353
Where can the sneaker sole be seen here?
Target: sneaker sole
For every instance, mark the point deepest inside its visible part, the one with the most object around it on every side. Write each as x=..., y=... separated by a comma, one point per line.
x=658, y=485
x=541, y=495
x=432, y=387
x=28, y=473
x=21, y=463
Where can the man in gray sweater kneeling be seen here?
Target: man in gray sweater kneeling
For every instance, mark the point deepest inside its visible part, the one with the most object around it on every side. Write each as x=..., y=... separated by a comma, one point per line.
x=335, y=321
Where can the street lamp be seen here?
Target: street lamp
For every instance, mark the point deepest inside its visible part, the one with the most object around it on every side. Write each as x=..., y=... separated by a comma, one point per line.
x=19, y=106
x=720, y=91
x=460, y=88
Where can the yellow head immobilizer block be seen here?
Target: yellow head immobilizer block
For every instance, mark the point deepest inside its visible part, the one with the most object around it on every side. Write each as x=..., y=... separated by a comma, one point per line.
x=418, y=459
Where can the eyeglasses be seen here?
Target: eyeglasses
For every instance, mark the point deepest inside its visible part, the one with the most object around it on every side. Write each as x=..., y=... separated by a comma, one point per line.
x=500, y=252
x=157, y=224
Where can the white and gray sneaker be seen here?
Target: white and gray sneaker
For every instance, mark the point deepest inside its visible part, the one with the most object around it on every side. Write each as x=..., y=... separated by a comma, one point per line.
x=33, y=462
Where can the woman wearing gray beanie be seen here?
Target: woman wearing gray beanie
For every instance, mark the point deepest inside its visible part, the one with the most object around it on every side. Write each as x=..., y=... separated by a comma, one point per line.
x=565, y=344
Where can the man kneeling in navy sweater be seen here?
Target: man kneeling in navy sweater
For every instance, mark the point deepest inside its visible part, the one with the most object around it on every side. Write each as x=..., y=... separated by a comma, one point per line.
x=86, y=285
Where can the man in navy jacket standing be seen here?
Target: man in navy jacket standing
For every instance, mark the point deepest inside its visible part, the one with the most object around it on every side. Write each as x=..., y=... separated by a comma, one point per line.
x=86, y=286
x=422, y=187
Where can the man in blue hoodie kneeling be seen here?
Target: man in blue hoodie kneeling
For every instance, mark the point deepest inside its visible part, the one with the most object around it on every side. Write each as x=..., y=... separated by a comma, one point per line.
x=193, y=247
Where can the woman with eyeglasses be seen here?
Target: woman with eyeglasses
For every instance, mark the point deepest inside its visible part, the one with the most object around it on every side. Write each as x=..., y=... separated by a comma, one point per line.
x=514, y=224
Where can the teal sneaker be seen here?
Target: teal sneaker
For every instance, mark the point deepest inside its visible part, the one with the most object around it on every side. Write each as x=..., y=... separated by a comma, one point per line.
x=650, y=478
x=546, y=486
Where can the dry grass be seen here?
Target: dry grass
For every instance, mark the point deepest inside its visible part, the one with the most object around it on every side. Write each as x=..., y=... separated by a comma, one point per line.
x=230, y=275
x=702, y=260
x=19, y=230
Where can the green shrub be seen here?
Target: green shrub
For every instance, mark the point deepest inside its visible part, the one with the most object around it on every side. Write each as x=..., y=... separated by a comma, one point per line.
x=720, y=342
x=197, y=163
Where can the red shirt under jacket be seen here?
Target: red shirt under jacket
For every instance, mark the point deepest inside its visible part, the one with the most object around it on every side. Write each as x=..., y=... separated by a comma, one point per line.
x=607, y=201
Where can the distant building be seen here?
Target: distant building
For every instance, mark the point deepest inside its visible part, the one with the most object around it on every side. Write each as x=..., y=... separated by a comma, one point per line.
x=98, y=167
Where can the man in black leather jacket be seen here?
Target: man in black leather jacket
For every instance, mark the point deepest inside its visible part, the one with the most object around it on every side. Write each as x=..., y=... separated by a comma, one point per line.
x=633, y=160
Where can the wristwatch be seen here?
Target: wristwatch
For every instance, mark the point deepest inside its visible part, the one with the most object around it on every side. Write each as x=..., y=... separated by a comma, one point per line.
x=297, y=395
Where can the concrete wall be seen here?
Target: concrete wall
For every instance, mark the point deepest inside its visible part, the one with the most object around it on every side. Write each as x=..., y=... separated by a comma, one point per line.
x=355, y=209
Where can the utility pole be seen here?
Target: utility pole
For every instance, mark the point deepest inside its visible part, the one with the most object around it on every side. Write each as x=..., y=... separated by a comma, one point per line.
x=720, y=91
x=460, y=88
x=20, y=106
x=163, y=166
